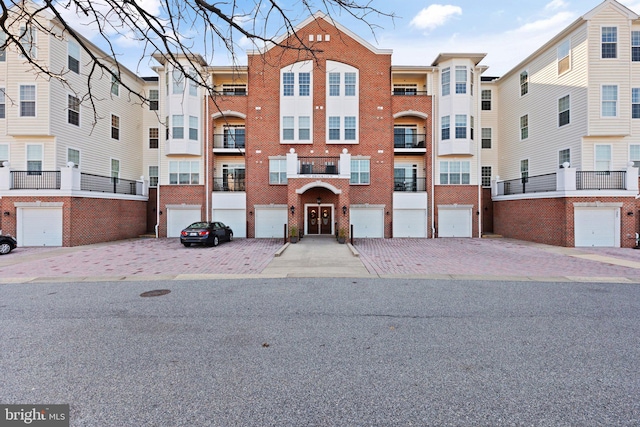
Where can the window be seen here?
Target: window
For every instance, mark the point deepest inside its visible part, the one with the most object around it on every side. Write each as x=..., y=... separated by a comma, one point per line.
x=153, y=137
x=472, y=127
x=486, y=100
x=73, y=155
x=304, y=83
x=193, y=83
x=564, y=57
x=153, y=99
x=115, y=85
x=166, y=128
x=564, y=156
x=178, y=82
x=73, y=105
x=277, y=171
x=486, y=137
x=635, y=46
x=34, y=159
x=234, y=89
x=350, y=128
x=455, y=172
x=446, y=81
x=609, y=42
x=334, y=84
x=461, y=79
x=287, y=84
x=153, y=176
x=193, y=128
x=27, y=100
x=334, y=128
x=177, y=130
x=405, y=177
x=115, y=169
x=184, y=172
x=461, y=126
x=115, y=127
x=603, y=157
x=524, y=170
x=233, y=177
x=609, y=101
x=28, y=41
x=635, y=103
x=564, y=111
x=288, y=132
x=634, y=155
x=524, y=83
x=486, y=176
x=73, y=52
x=405, y=136
x=4, y=154
x=304, y=128
x=446, y=124
x=524, y=127
x=405, y=89
x=471, y=82
x=359, y=171
x=350, y=84
x=3, y=105
x=3, y=40
x=234, y=137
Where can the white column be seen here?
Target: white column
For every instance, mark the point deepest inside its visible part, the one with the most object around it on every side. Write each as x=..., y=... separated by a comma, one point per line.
x=494, y=186
x=345, y=164
x=566, y=178
x=70, y=177
x=292, y=164
x=632, y=177
x=5, y=177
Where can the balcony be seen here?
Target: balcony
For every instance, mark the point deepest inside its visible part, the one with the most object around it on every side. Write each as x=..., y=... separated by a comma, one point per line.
x=531, y=184
x=411, y=185
x=229, y=142
x=605, y=180
x=408, y=92
x=74, y=180
x=228, y=184
x=108, y=184
x=409, y=141
x=35, y=180
x=319, y=165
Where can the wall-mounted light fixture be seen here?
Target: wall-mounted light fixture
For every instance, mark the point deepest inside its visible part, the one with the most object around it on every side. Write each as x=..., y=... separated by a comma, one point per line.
x=344, y=210
x=250, y=212
x=319, y=200
x=292, y=209
x=628, y=213
x=7, y=213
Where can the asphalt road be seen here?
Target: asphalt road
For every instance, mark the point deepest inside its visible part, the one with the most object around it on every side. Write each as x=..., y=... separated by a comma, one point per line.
x=325, y=352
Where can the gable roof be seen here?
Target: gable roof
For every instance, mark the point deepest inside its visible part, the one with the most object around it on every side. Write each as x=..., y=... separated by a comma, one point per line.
x=624, y=10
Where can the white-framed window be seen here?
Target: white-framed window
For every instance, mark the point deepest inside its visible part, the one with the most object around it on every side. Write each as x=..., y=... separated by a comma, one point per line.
x=233, y=176
x=3, y=104
x=184, y=172
x=177, y=128
x=4, y=154
x=27, y=100
x=486, y=100
x=288, y=128
x=154, y=137
x=564, y=56
x=115, y=169
x=193, y=84
x=564, y=111
x=304, y=128
x=334, y=128
x=634, y=154
x=154, y=96
x=524, y=169
x=234, y=89
x=277, y=171
x=635, y=46
x=3, y=40
x=486, y=176
x=461, y=79
x=446, y=81
x=446, y=128
x=524, y=127
x=178, y=82
x=73, y=155
x=602, y=157
x=304, y=84
x=461, y=126
x=635, y=103
x=153, y=176
x=350, y=84
x=288, y=84
x=564, y=156
x=405, y=177
x=609, y=42
x=34, y=159
x=193, y=128
x=334, y=84
x=524, y=83
x=73, y=56
x=73, y=110
x=234, y=136
x=350, y=128
x=609, y=100
x=115, y=127
x=455, y=172
x=115, y=84
x=405, y=89
x=471, y=77
x=360, y=172
x=28, y=41
x=486, y=137
x=472, y=127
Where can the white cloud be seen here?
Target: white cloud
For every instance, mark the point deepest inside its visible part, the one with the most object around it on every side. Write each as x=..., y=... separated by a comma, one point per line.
x=435, y=16
x=632, y=4
x=555, y=5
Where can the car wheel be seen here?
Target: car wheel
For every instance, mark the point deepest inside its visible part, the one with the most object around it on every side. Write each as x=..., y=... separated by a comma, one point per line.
x=186, y=245
x=230, y=236
x=216, y=240
x=5, y=248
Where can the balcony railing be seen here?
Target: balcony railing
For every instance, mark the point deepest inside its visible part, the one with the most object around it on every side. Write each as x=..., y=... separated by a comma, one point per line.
x=108, y=184
x=531, y=184
x=601, y=180
x=228, y=141
x=411, y=185
x=228, y=184
x=232, y=92
x=319, y=165
x=409, y=141
x=408, y=92
x=35, y=180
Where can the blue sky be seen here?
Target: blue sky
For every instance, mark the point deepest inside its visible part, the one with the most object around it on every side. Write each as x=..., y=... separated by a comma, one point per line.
x=506, y=30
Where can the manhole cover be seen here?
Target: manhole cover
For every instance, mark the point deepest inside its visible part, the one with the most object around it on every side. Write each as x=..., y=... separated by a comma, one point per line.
x=156, y=293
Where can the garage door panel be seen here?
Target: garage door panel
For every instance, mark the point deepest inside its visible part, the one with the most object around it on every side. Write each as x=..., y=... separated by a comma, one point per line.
x=367, y=222
x=270, y=222
x=234, y=218
x=596, y=227
x=454, y=222
x=409, y=223
x=179, y=219
x=40, y=227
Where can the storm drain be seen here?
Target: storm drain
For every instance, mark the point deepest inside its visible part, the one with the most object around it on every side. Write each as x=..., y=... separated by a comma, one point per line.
x=155, y=293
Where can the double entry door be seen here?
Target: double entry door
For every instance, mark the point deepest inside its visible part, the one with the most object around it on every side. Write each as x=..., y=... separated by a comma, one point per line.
x=319, y=219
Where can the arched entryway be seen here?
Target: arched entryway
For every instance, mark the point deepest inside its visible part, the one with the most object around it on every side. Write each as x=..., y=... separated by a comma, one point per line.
x=321, y=203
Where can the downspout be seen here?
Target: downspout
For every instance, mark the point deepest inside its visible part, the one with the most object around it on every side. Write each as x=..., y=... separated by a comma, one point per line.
x=206, y=155
x=157, y=226
x=478, y=136
x=434, y=139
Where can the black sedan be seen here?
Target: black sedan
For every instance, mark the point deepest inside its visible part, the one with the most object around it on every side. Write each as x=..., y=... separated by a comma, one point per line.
x=206, y=233
x=7, y=244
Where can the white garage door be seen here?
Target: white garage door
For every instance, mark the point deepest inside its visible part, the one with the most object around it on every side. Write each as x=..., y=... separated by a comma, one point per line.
x=454, y=222
x=367, y=222
x=234, y=218
x=270, y=222
x=178, y=219
x=40, y=227
x=596, y=227
x=409, y=223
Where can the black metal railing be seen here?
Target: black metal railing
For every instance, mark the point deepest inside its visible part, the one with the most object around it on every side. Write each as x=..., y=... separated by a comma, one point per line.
x=319, y=165
x=410, y=185
x=108, y=184
x=409, y=141
x=232, y=92
x=531, y=184
x=408, y=92
x=228, y=141
x=601, y=180
x=228, y=184
x=35, y=180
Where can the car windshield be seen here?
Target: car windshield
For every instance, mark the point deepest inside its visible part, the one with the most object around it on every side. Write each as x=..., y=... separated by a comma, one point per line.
x=199, y=225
